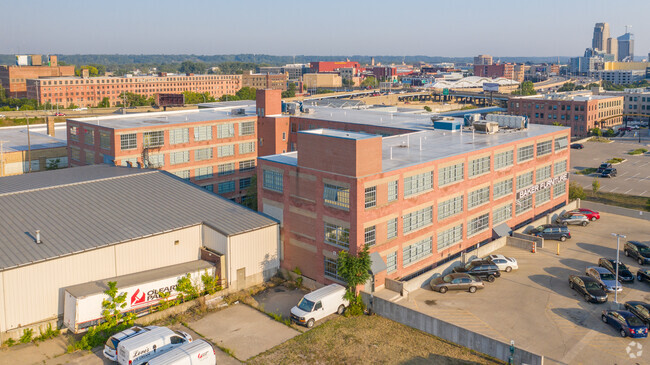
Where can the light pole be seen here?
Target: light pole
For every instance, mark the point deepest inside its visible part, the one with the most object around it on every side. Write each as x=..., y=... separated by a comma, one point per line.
x=618, y=251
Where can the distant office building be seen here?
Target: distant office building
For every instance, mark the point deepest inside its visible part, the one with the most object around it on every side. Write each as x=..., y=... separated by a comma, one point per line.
x=384, y=72
x=626, y=47
x=322, y=80
x=483, y=59
x=323, y=66
x=636, y=102
x=612, y=47
x=601, y=34
x=580, y=111
x=14, y=78
x=504, y=70
x=265, y=80
x=621, y=77
x=294, y=71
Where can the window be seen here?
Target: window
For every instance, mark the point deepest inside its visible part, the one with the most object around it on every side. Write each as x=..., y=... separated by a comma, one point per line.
x=154, y=161
x=450, y=207
x=74, y=133
x=450, y=236
x=104, y=140
x=246, y=147
x=336, y=196
x=524, y=204
x=179, y=135
x=153, y=139
x=244, y=183
x=391, y=262
x=331, y=269
x=391, y=228
x=417, y=251
x=272, y=180
x=524, y=180
x=203, y=154
x=543, y=173
x=478, y=197
x=89, y=136
x=203, y=133
x=542, y=196
x=524, y=154
x=225, y=151
x=183, y=174
x=501, y=214
x=503, y=159
x=451, y=174
x=393, y=190
x=418, y=219
x=225, y=130
x=479, y=166
x=226, y=187
x=90, y=157
x=418, y=183
x=478, y=224
x=544, y=148
x=561, y=143
x=559, y=167
x=226, y=169
x=502, y=188
x=559, y=189
x=179, y=157
x=246, y=165
x=246, y=128
x=371, y=197
x=337, y=235
x=203, y=173
x=370, y=236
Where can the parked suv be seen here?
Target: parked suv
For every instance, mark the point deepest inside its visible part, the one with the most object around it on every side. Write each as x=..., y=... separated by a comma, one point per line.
x=624, y=273
x=572, y=218
x=551, y=232
x=611, y=172
x=638, y=251
x=603, y=167
x=481, y=268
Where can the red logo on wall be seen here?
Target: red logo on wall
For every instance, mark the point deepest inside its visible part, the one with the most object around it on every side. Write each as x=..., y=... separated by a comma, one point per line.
x=137, y=297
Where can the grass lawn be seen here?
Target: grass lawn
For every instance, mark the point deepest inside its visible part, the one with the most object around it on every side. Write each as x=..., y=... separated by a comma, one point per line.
x=638, y=151
x=368, y=340
x=587, y=171
x=619, y=200
x=615, y=160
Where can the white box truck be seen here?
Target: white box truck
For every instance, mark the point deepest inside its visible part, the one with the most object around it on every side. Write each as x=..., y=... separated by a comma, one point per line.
x=198, y=352
x=83, y=302
x=319, y=304
x=144, y=347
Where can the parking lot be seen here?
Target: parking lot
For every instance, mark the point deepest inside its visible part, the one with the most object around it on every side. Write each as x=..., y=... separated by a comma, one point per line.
x=633, y=175
x=535, y=307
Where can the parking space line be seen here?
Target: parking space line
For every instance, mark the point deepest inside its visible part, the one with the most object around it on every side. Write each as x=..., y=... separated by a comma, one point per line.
x=611, y=191
x=641, y=194
x=626, y=193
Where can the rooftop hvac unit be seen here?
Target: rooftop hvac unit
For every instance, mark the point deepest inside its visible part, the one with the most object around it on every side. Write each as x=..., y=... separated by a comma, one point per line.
x=308, y=110
x=487, y=127
x=507, y=121
x=291, y=108
x=239, y=111
x=471, y=118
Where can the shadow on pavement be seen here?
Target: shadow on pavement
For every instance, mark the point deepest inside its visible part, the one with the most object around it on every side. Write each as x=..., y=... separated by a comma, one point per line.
x=556, y=285
x=586, y=319
x=599, y=250
x=578, y=265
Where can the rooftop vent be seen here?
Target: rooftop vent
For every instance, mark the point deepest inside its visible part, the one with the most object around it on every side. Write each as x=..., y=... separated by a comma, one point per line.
x=239, y=111
x=486, y=127
x=38, y=236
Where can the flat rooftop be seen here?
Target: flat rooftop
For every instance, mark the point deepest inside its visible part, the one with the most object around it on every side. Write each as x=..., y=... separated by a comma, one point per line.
x=340, y=134
x=14, y=139
x=138, y=120
x=569, y=97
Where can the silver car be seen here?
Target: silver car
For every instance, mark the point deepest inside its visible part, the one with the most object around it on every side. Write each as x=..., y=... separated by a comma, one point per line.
x=504, y=263
x=456, y=281
x=605, y=278
x=572, y=218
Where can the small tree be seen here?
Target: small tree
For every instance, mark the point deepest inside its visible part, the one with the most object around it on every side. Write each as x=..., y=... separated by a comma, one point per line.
x=595, y=185
x=427, y=108
x=576, y=191
x=53, y=164
x=210, y=283
x=187, y=289
x=113, y=305
x=597, y=132
x=355, y=270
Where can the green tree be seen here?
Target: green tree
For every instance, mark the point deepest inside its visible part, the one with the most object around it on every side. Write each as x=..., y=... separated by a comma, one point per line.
x=133, y=99
x=53, y=164
x=595, y=186
x=567, y=86
x=526, y=88
x=187, y=289
x=576, y=191
x=105, y=103
x=192, y=97
x=597, y=132
x=113, y=305
x=355, y=270
x=610, y=133
x=290, y=92
x=246, y=93
x=370, y=82
x=427, y=108
x=251, y=194
x=193, y=67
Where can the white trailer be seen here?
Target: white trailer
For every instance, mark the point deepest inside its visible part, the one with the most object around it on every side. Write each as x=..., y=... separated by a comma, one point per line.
x=83, y=302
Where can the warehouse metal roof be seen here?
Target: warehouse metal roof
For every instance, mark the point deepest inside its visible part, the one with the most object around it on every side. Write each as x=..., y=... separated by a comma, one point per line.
x=84, y=208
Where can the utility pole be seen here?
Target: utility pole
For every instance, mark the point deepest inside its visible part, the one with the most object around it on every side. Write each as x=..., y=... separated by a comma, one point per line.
x=618, y=251
x=29, y=146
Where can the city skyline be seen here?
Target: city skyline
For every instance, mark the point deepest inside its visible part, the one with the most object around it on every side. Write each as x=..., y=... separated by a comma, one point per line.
x=503, y=28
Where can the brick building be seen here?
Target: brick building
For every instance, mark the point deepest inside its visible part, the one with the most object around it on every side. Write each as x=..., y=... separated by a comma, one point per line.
x=417, y=197
x=582, y=111
x=90, y=91
x=505, y=70
x=213, y=148
x=265, y=80
x=14, y=78
x=328, y=66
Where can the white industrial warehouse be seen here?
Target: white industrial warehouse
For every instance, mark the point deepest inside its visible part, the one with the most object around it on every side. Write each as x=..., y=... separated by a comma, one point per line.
x=63, y=228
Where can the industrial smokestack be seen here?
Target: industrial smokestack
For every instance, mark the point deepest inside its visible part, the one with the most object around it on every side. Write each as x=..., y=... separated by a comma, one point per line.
x=38, y=236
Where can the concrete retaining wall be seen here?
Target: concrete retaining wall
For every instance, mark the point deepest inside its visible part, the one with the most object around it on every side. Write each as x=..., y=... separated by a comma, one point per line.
x=450, y=332
x=538, y=240
x=524, y=244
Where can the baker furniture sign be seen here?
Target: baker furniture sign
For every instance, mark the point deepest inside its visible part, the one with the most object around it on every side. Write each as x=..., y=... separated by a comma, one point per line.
x=523, y=193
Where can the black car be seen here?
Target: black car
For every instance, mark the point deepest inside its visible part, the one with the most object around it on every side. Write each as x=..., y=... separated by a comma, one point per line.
x=588, y=287
x=624, y=273
x=577, y=146
x=603, y=167
x=611, y=172
x=638, y=251
x=639, y=309
x=480, y=268
x=551, y=232
x=643, y=275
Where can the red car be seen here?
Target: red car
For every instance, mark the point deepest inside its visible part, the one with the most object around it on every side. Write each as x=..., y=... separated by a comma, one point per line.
x=59, y=114
x=592, y=215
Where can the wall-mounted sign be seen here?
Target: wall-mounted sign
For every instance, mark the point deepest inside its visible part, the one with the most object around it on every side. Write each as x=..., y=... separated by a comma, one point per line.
x=523, y=193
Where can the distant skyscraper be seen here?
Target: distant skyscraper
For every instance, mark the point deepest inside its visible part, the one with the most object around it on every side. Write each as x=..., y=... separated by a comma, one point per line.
x=626, y=47
x=483, y=59
x=612, y=47
x=601, y=33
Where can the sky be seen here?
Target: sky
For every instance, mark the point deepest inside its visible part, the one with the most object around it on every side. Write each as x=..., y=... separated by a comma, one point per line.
x=307, y=27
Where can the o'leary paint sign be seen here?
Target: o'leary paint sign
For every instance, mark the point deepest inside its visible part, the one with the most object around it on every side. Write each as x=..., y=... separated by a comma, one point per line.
x=523, y=193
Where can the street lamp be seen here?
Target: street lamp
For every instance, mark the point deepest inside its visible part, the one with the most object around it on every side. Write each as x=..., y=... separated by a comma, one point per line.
x=618, y=251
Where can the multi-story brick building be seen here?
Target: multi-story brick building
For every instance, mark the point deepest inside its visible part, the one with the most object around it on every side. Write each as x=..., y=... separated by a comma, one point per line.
x=417, y=198
x=580, y=111
x=90, y=91
x=505, y=70
x=213, y=148
x=329, y=66
x=265, y=80
x=14, y=78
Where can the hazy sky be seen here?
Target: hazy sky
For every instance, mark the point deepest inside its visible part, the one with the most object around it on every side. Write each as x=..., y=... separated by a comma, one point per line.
x=333, y=27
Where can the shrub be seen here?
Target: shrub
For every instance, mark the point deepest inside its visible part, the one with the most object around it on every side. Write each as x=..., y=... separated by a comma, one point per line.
x=187, y=289
x=427, y=108
x=49, y=333
x=576, y=191
x=299, y=278
x=27, y=335
x=638, y=151
x=210, y=283
x=10, y=342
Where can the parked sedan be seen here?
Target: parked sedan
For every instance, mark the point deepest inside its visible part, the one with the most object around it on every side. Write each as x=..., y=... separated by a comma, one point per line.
x=456, y=281
x=59, y=114
x=624, y=273
x=577, y=146
x=603, y=167
x=504, y=263
x=639, y=309
x=572, y=218
x=589, y=288
x=643, y=275
x=638, y=251
x=608, y=173
x=605, y=278
x=591, y=214
x=626, y=323
x=551, y=232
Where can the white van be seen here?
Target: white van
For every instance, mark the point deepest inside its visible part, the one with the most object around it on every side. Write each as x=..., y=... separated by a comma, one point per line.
x=144, y=347
x=319, y=304
x=198, y=352
x=110, y=348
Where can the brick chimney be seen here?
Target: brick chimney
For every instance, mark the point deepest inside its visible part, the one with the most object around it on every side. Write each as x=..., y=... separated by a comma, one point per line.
x=50, y=125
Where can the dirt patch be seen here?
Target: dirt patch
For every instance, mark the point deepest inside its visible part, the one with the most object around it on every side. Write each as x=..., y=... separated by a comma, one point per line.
x=368, y=340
